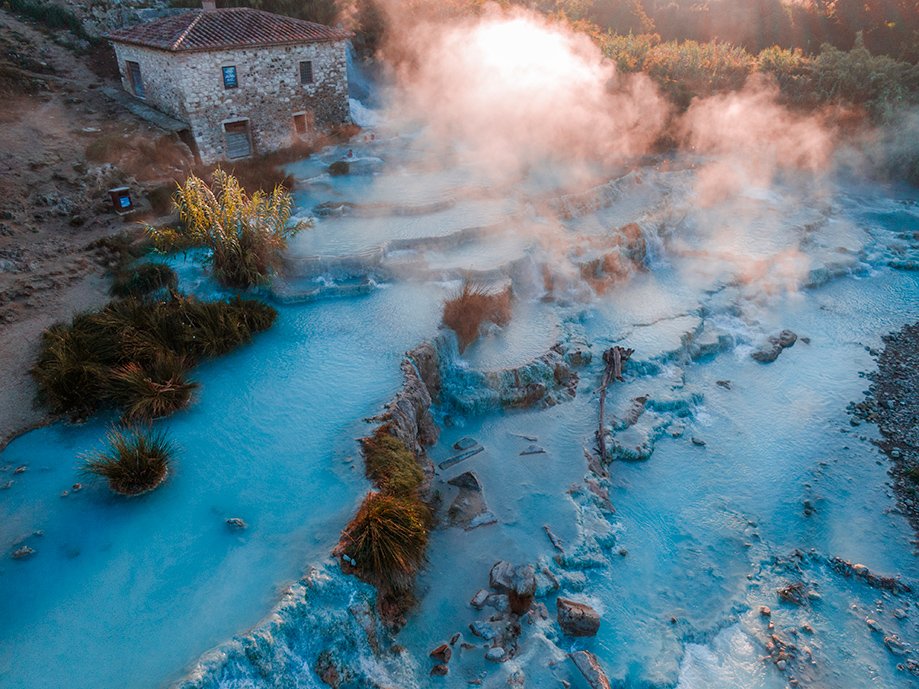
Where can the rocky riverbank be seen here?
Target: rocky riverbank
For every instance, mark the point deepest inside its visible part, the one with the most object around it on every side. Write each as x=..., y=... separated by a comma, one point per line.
x=893, y=403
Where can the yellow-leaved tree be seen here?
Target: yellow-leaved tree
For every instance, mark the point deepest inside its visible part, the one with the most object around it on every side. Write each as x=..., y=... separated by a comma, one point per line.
x=246, y=234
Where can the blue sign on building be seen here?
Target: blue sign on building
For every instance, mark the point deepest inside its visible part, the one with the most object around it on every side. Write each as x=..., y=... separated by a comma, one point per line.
x=229, y=77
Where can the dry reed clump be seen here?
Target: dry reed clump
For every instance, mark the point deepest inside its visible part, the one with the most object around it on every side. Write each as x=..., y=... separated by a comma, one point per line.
x=474, y=305
x=387, y=540
x=136, y=461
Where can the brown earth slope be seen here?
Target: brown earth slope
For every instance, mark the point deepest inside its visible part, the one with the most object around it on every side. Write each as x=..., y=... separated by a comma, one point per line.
x=53, y=196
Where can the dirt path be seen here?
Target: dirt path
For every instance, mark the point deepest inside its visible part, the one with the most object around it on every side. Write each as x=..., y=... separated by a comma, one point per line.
x=53, y=200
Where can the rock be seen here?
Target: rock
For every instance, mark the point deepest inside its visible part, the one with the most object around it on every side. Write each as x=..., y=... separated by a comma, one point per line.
x=20, y=469
x=781, y=664
x=462, y=456
x=468, y=508
x=786, y=339
x=533, y=450
x=577, y=619
x=899, y=613
x=765, y=611
x=23, y=552
x=894, y=645
x=478, y=600
x=553, y=539
x=770, y=351
x=521, y=596
x=439, y=670
x=589, y=666
x=442, y=653
x=698, y=442
x=498, y=601
x=236, y=523
x=496, y=654
x=873, y=624
x=726, y=384
x=339, y=167
x=808, y=508
x=483, y=630
x=465, y=443
x=501, y=576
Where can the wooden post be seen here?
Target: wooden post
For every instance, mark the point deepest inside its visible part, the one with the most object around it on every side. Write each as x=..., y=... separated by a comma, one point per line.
x=614, y=358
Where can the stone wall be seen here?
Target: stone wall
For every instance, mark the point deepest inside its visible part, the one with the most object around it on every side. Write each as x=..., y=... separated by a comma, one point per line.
x=161, y=75
x=189, y=86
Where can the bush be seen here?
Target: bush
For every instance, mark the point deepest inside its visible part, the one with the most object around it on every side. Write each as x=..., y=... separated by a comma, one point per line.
x=135, y=463
x=154, y=390
x=50, y=15
x=144, y=279
x=246, y=234
x=391, y=465
x=877, y=82
x=475, y=304
x=134, y=354
x=387, y=540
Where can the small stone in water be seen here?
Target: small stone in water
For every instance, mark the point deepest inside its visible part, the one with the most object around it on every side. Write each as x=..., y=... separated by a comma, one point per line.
x=23, y=552
x=439, y=670
x=20, y=469
x=764, y=610
x=442, y=653
x=495, y=654
x=236, y=523
x=533, y=450
x=77, y=487
x=478, y=600
x=65, y=493
x=698, y=442
x=465, y=443
x=726, y=384
x=781, y=664
x=8, y=484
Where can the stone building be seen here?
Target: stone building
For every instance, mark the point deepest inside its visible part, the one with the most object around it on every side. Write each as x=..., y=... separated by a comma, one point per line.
x=243, y=80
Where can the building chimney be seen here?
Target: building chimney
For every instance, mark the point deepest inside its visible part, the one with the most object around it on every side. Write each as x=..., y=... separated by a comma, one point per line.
x=208, y=5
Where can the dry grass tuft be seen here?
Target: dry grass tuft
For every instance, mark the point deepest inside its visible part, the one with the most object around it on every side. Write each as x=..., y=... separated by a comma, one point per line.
x=474, y=305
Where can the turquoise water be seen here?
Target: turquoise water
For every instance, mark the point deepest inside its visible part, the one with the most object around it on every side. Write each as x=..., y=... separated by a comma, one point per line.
x=130, y=593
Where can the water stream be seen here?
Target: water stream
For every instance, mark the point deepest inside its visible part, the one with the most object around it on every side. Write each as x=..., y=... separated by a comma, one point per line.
x=131, y=593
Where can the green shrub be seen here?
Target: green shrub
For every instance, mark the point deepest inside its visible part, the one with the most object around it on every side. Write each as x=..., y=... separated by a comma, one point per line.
x=391, y=465
x=472, y=306
x=135, y=462
x=877, y=82
x=133, y=354
x=144, y=279
x=387, y=539
x=50, y=15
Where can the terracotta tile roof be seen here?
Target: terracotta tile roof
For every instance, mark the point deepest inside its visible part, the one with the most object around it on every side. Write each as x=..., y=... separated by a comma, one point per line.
x=236, y=27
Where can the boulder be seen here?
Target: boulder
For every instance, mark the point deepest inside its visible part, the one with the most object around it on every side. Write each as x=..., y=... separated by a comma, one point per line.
x=589, y=666
x=468, y=508
x=577, y=619
x=443, y=653
x=519, y=583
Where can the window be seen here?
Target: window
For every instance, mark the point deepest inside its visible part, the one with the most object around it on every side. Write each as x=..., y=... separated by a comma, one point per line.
x=134, y=79
x=306, y=72
x=229, y=77
x=303, y=123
